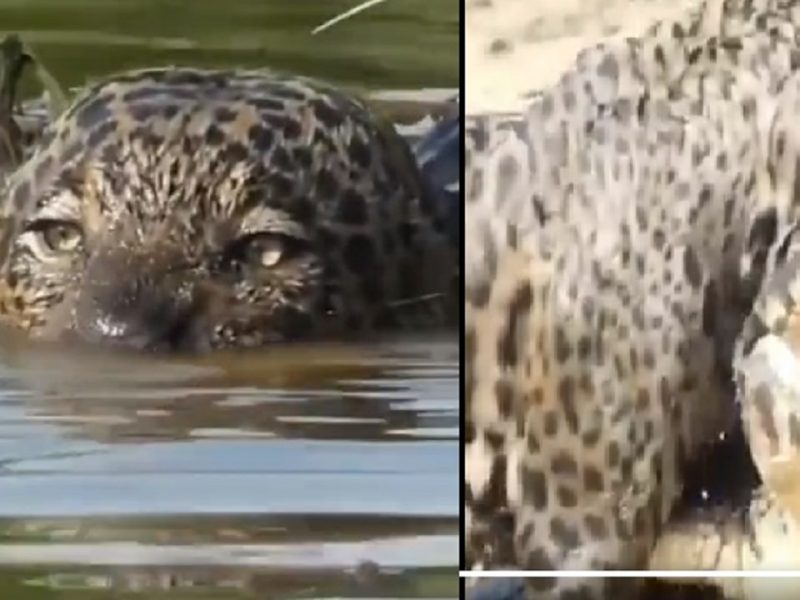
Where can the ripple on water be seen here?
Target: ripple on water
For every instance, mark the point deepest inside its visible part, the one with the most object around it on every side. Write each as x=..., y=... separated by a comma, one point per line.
x=273, y=464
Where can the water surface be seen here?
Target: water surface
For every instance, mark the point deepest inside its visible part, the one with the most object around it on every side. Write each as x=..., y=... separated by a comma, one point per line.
x=302, y=461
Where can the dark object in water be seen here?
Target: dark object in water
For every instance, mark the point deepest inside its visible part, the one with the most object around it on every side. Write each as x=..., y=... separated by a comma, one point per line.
x=13, y=59
x=439, y=156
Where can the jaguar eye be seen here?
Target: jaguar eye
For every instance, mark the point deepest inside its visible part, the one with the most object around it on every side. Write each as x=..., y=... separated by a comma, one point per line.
x=59, y=236
x=265, y=250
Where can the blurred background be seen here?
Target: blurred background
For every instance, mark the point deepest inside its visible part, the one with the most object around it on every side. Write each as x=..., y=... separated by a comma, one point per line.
x=397, y=44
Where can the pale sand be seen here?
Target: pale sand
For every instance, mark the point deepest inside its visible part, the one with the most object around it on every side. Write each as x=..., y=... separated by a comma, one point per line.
x=514, y=47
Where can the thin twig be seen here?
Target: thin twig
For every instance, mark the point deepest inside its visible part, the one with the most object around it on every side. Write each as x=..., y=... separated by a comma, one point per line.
x=346, y=15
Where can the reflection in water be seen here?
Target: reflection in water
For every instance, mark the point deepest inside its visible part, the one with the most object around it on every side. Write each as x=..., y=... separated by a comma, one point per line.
x=365, y=581
x=276, y=469
x=395, y=391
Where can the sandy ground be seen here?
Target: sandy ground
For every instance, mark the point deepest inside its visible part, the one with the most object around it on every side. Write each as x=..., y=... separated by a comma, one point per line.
x=514, y=47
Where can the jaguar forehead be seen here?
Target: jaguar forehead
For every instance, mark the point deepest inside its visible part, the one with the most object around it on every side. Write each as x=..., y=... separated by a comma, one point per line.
x=142, y=186
x=220, y=106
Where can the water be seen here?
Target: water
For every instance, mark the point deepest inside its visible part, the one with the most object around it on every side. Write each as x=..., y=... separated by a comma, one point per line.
x=301, y=461
x=300, y=471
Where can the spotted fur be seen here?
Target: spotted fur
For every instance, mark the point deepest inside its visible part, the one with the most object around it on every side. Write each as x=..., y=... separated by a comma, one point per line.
x=618, y=234
x=190, y=209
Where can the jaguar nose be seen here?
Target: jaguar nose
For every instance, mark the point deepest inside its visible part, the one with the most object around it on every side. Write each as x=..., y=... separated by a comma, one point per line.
x=137, y=327
x=125, y=302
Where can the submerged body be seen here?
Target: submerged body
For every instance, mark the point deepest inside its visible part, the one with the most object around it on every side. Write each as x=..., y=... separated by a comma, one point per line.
x=619, y=233
x=192, y=210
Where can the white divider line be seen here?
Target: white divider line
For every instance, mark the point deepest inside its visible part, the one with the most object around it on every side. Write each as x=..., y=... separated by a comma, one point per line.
x=706, y=574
